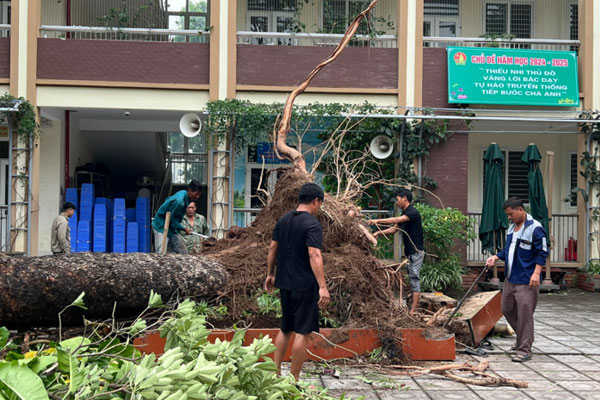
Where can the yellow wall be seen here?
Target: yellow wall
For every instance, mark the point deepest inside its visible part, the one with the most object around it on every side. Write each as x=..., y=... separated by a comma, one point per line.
x=562, y=145
x=550, y=18
x=139, y=99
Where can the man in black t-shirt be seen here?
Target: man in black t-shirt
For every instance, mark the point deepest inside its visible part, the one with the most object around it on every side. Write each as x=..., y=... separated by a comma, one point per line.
x=409, y=223
x=296, y=249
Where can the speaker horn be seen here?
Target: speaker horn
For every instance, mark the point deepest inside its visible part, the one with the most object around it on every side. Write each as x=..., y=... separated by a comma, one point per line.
x=381, y=147
x=190, y=125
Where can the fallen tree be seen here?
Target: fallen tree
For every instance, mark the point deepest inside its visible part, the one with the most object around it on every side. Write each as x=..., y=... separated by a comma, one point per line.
x=34, y=290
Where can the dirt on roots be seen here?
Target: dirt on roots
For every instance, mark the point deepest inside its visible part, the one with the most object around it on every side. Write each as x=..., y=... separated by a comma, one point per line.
x=360, y=285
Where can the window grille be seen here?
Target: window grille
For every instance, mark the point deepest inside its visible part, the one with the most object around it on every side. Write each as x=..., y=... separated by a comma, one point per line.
x=189, y=158
x=573, y=176
x=441, y=7
x=515, y=181
x=508, y=19
x=337, y=15
x=517, y=176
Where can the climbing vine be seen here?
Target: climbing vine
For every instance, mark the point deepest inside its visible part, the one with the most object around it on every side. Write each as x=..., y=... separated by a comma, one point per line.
x=25, y=119
x=249, y=123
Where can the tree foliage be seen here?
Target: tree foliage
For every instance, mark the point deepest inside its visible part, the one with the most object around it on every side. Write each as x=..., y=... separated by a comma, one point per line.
x=107, y=366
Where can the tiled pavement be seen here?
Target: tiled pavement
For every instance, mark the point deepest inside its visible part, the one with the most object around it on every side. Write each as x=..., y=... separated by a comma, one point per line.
x=565, y=365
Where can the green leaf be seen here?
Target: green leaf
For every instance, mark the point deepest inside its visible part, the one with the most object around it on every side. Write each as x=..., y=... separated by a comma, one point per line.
x=79, y=301
x=4, y=333
x=22, y=382
x=41, y=363
x=155, y=300
x=73, y=343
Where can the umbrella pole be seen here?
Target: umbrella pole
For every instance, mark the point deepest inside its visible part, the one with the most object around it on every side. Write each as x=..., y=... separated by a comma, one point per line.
x=550, y=157
x=494, y=279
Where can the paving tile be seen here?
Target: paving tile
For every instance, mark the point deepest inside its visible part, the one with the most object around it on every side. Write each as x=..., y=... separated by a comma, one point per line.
x=501, y=394
x=588, y=366
x=547, y=366
x=478, y=389
x=508, y=366
x=339, y=384
x=402, y=394
x=454, y=395
x=525, y=376
x=568, y=359
x=439, y=384
x=354, y=394
x=554, y=395
x=542, y=386
x=559, y=376
x=595, y=375
x=588, y=395
x=595, y=357
x=394, y=384
x=580, y=385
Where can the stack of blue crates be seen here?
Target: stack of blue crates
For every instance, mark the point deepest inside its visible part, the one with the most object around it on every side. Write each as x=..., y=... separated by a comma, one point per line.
x=72, y=197
x=119, y=226
x=84, y=237
x=86, y=206
x=130, y=214
x=100, y=223
x=73, y=227
x=132, y=237
x=142, y=216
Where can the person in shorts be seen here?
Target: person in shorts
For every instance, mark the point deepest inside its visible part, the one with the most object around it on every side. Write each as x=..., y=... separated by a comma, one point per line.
x=409, y=223
x=296, y=250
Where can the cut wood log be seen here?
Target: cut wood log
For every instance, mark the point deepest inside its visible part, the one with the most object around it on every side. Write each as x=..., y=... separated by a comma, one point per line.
x=34, y=290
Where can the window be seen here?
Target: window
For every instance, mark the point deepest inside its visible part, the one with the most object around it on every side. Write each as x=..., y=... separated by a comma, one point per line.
x=189, y=158
x=573, y=23
x=5, y=17
x=573, y=177
x=512, y=18
x=441, y=7
x=441, y=18
x=515, y=181
x=337, y=15
x=193, y=15
x=271, y=16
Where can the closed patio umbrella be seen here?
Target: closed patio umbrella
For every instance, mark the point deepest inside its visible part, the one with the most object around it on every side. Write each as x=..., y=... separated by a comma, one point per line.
x=537, y=197
x=494, y=223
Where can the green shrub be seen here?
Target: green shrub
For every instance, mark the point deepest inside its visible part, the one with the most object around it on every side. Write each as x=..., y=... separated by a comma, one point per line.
x=443, y=230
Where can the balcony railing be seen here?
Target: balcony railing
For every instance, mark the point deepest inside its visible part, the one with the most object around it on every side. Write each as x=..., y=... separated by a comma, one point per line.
x=314, y=39
x=535, y=44
x=4, y=228
x=564, y=227
x=131, y=34
x=4, y=30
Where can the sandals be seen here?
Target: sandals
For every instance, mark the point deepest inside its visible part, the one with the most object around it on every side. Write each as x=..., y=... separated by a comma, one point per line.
x=520, y=358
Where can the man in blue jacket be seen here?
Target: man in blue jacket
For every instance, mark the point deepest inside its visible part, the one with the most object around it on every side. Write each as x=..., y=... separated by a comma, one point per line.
x=524, y=256
x=176, y=204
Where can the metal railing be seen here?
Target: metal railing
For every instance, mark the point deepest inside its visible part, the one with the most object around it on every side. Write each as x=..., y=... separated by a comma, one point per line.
x=130, y=34
x=314, y=39
x=4, y=30
x=564, y=227
x=4, y=231
x=534, y=44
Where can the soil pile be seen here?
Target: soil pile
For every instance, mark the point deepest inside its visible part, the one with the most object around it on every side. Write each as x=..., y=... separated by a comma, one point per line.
x=361, y=287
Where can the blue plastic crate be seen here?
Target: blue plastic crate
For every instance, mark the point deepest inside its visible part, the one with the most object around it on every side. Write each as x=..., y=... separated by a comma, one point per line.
x=119, y=235
x=73, y=228
x=109, y=228
x=119, y=210
x=132, y=237
x=84, y=242
x=142, y=211
x=72, y=196
x=131, y=215
x=100, y=223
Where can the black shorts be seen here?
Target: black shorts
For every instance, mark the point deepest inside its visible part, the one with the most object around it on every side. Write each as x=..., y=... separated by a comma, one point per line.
x=300, y=311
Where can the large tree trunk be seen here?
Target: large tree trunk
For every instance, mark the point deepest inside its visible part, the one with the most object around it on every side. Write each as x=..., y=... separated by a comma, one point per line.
x=34, y=290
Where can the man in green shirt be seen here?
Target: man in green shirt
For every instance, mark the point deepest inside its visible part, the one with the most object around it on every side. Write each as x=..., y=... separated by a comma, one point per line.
x=176, y=205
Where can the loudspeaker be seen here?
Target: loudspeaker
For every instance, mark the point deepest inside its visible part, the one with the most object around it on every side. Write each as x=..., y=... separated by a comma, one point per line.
x=190, y=125
x=381, y=146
